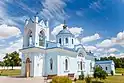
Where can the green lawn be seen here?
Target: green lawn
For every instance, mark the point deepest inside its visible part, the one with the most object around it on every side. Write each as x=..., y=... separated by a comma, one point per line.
x=110, y=79
x=119, y=70
x=9, y=72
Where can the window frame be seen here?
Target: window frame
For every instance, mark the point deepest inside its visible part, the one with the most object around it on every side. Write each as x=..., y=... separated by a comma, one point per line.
x=51, y=64
x=66, y=40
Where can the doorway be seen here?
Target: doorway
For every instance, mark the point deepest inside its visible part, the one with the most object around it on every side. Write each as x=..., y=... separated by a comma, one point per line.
x=27, y=68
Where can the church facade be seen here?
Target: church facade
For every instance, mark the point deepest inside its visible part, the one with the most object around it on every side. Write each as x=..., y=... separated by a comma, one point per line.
x=41, y=57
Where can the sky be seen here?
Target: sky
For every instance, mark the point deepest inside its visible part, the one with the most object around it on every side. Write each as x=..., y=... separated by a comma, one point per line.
x=97, y=24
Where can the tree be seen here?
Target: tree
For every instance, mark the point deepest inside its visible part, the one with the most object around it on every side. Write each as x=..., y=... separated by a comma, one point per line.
x=12, y=59
x=99, y=73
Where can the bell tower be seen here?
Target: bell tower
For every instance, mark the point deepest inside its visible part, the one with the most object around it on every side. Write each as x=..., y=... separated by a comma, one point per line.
x=36, y=33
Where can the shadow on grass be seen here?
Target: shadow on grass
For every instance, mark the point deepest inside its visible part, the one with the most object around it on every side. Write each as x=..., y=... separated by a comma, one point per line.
x=97, y=82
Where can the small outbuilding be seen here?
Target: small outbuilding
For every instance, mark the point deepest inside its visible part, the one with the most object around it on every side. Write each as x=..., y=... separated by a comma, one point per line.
x=107, y=65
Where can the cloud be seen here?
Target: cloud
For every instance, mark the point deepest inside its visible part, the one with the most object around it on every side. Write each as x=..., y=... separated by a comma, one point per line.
x=8, y=31
x=120, y=55
x=90, y=48
x=90, y=38
x=119, y=40
x=74, y=30
x=96, y=5
x=12, y=46
x=53, y=9
x=100, y=50
x=15, y=45
x=111, y=50
x=105, y=43
x=79, y=13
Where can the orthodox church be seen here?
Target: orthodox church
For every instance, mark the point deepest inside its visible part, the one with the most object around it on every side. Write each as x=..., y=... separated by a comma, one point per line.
x=41, y=57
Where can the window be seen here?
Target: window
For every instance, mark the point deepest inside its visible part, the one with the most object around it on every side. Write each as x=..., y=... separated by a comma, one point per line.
x=66, y=40
x=81, y=65
x=42, y=38
x=91, y=67
x=51, y=64
x=72, y=41
x=59, y=40
x=47, y=45
x=66, y=64
x=106, y=68
x=80, y=55
x=30, y=42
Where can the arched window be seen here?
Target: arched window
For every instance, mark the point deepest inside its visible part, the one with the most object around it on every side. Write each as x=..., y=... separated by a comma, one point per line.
x=30, y=41
x=80, y=55
x=66, y=64
x=59, y=40
x=66, y=40
x=106, y=68
x=72, y=41
x=51, y=64
x=42, y=38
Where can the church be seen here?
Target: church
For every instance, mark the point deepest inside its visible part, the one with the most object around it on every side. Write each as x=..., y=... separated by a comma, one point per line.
x=41, y=57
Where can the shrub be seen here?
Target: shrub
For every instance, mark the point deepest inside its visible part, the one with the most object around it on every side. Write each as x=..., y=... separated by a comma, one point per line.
x=61, y=79
x=112, y=73
x=99, y=73
x=81, y=77
x=88, y=79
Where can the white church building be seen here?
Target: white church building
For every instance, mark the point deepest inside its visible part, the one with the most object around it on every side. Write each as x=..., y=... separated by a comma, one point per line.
x=41, y=57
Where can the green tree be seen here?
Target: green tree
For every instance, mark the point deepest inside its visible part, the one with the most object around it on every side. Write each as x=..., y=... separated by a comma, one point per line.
x=12, y=59
x=99, y=73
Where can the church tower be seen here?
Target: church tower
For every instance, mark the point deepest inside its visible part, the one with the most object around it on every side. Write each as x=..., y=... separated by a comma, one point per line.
x=36, y=33
x=65, y=38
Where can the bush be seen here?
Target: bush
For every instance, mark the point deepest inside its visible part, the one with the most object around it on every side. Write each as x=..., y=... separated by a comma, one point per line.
x=61, y=79
x=99, y=73
x=88, y=79
x=81, y=77
x=112, y=73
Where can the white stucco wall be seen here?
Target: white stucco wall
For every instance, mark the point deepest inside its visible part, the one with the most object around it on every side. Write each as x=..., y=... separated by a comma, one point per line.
x=109, y=67
x=24, y=57
x=50, y=55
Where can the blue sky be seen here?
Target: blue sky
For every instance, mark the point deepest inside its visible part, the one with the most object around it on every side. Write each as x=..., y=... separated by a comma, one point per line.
x=101, y=21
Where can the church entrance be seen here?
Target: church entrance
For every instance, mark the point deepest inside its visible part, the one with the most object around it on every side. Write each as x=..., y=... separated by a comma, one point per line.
x=27, y=68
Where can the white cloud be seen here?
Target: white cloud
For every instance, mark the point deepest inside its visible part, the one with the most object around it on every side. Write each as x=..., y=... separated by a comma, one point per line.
x=13, y=46
x=74, y=30
x=100, y=50
x=119, y=39
x=90, y=38
x=53, y=9
x=8, y=31
x=105, y=43
x=57, y=29
x=113, y=55
x=111, y=50
x=90, y=48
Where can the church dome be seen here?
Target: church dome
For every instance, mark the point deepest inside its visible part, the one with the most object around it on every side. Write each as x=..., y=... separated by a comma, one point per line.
x=64, y=31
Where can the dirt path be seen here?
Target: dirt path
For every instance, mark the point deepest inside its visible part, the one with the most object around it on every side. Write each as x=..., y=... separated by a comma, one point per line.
x=20, y=80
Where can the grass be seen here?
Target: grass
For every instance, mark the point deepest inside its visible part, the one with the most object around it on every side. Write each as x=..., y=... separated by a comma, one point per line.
x=119, y=70
x=110, y=79
x=9, y=72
